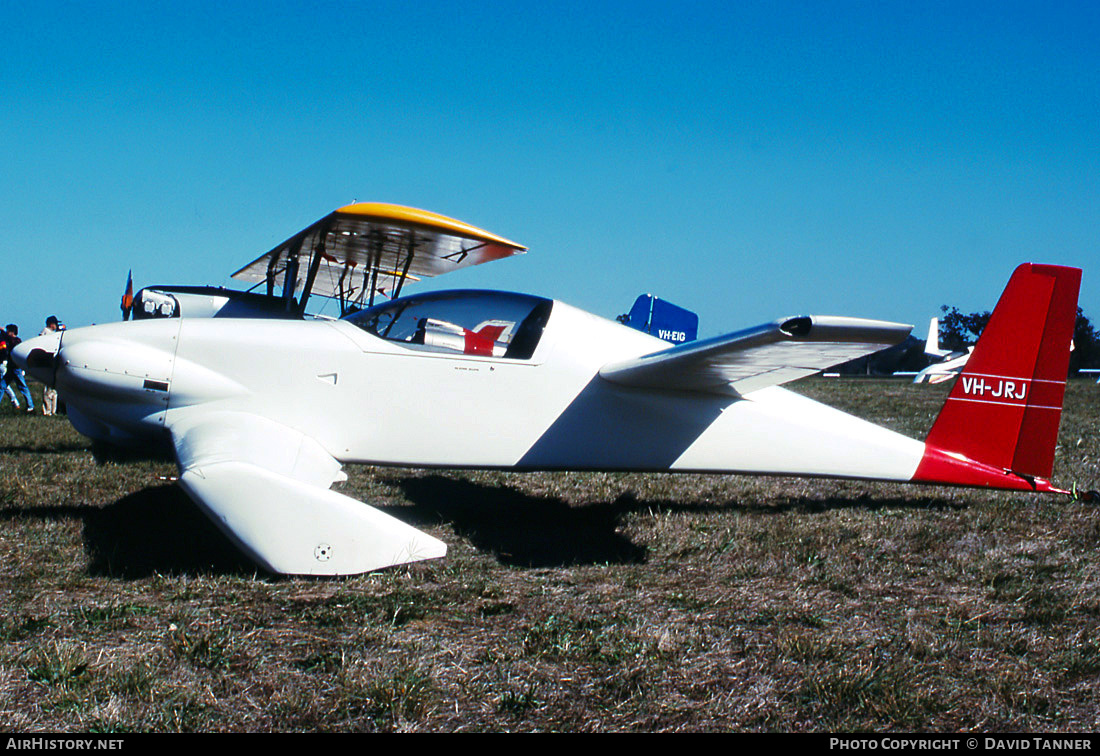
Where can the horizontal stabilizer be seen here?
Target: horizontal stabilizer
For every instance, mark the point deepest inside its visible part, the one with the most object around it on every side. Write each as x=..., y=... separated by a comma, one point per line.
x=767, y=355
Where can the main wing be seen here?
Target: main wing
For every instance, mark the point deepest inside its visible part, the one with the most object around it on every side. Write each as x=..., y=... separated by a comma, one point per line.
x=371, y=247
x=767, y=355
x=266, y=486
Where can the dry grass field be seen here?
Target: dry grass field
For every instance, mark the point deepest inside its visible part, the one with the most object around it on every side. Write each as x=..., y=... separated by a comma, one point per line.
x=576, y=602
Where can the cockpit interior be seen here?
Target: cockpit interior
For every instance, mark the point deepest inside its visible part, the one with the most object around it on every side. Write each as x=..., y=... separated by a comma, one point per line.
x=469, y=322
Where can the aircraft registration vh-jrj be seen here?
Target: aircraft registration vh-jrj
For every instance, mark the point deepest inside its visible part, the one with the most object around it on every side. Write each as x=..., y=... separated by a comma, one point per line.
x=264, y=410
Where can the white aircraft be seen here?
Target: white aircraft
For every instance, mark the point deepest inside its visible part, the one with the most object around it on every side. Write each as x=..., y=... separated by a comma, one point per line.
x=950, y=363
x=262, y=413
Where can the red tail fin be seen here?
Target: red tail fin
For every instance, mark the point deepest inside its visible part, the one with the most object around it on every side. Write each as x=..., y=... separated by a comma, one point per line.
x=1004, y=408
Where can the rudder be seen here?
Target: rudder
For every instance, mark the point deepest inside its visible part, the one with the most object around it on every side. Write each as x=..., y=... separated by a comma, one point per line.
x=1006, y=404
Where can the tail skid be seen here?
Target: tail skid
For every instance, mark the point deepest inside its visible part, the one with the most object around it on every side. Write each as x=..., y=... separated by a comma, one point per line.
x=999, y=425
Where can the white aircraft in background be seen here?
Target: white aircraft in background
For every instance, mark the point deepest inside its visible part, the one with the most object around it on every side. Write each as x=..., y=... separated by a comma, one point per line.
x=951, y=363
x=262, y=413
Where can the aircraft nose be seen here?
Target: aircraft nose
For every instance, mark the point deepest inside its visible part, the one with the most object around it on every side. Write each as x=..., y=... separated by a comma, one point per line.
x=38, y=356
x=93, y=363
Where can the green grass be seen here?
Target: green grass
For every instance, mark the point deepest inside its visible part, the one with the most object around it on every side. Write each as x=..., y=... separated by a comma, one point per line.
x=567, y=602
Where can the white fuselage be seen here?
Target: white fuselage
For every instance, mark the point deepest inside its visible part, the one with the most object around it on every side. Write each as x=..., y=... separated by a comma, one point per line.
x=368, y=400
x=262, y=413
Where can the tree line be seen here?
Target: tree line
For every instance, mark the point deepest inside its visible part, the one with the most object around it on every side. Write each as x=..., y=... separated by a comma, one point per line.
x=960, y=330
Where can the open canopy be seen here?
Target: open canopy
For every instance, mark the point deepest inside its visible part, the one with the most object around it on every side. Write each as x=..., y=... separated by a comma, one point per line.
x=371, y=248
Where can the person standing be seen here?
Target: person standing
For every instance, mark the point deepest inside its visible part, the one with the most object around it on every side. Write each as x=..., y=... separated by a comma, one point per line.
x=49, y=395
x=4, y=355
x=14, y=375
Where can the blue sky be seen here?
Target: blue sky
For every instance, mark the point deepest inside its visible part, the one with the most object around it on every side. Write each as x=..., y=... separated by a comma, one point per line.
x=749, y=160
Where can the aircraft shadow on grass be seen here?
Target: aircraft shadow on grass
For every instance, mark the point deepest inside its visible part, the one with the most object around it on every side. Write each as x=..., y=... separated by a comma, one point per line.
x=523, y=530
x=543, y=531
x=156, y=530
x=104, y=452
x=45, y=448
x=159, y=530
